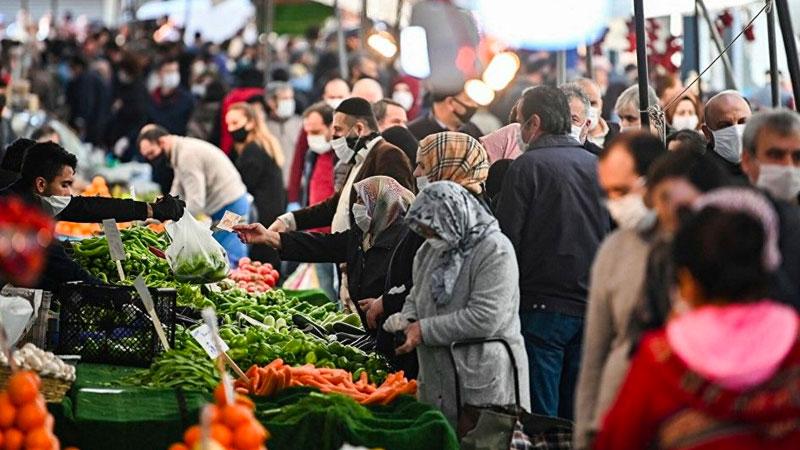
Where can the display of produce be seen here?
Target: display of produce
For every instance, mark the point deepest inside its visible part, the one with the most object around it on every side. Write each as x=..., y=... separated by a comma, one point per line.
x=31, y=357
x=230, y=426
x=24, y=420
x=254, y=276
x=276, y=376
x=145, y=257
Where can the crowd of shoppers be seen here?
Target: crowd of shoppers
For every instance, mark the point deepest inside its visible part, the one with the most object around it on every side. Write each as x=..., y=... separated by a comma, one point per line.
x=648, y=290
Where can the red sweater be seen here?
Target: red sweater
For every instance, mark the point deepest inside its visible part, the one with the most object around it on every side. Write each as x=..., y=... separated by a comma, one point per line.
x=663, y=404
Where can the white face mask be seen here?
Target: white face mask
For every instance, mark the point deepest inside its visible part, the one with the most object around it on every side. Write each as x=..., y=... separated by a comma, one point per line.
x=285, y=108
x=170, y=81
x=343, y=152
x=782, y=182
x=628, y=211
x=439, y=245
x=318, y=144
x=728, y=143
x=422, y=182
x=685, y=122
x=199, y=90
x=629, y=129
x=404, y=98
x=334, y=102
x=576, y=133
x=593, y=115
x=363, y=220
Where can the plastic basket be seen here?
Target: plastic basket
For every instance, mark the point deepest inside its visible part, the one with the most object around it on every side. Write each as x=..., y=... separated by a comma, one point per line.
x=109, y=324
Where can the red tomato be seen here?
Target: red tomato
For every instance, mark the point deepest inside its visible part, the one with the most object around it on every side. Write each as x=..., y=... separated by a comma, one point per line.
x=244, y=261
x=269, y=280
x=276, y=275
x=256, y=263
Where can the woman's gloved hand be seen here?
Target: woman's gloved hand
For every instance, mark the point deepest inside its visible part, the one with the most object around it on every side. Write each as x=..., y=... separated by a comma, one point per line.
x=168, y=208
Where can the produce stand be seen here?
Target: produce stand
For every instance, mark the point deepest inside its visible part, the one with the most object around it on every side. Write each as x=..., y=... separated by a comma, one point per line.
x=321, y=384
x=122, y=417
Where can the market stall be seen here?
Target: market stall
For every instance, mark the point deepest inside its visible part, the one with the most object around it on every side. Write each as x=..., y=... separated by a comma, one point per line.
x=140, y=382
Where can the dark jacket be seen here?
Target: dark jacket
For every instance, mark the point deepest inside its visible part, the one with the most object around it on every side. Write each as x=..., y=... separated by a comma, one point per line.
x=264, y=182
x=733, y=170
x=785, y=284
x=89, y=101
x=385, y=159
x=171, y=112
x=366, y=271
x=424, y=126
x=130, y=117
x=552, y=211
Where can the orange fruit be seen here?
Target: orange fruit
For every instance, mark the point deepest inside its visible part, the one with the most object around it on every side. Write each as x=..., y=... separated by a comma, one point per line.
x=234, y=415
x=23, y=387
x=219, y=395
x=31, y=415
x=245, y=401
x=13, y=439
x=249, y=436
x=7, y=411
x=192, y=435
x=221, y=434
x=40, y=438
x=178, y=446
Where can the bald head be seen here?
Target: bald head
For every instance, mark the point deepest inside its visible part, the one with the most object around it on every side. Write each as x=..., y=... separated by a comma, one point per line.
x=592, y=91
x=336, y=89
x=368, y=89
x=726, y=109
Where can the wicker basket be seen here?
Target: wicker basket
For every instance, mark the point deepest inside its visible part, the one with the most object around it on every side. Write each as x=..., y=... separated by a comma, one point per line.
x=53, y=389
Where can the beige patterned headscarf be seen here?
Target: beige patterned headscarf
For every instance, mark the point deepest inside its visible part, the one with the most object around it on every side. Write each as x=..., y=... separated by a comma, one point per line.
x=456, y=157
x=386, y=201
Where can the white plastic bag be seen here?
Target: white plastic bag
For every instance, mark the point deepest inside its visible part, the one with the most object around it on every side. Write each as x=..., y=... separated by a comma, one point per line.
x=15, y=313
x=194, y=255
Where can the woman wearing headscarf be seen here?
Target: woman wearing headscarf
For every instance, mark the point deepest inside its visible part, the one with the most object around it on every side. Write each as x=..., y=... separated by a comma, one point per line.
x=465, y=287
x=381, y=203
x=447, y=156
x=455, y=157
x=725, y=370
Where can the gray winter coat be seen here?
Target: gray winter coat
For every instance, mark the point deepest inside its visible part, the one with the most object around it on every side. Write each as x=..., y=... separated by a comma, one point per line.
x=485, y=303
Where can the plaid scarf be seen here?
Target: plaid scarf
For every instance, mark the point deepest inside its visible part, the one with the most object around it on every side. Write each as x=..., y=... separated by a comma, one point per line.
x=455, y=157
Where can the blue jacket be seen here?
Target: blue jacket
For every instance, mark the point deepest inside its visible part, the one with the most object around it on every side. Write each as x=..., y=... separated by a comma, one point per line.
x=551, y=209
x=171, y=112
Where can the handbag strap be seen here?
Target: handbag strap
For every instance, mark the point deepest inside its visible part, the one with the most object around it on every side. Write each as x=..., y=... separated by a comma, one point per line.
x=472, y=342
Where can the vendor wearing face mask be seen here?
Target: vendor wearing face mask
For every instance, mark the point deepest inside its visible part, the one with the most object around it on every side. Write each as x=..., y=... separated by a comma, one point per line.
x=356, y=141
x=449, y=113
x=771, y=161
x=725, y=116
x=282, y=121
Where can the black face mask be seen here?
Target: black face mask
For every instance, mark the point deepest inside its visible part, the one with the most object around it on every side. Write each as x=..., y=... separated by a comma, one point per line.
x=239, y=135
x=469, y=111
x=160, y=161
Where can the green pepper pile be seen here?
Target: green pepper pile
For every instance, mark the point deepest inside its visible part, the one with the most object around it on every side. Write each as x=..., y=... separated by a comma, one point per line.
x=94, y=256
x=201, y=268
x=187, y=365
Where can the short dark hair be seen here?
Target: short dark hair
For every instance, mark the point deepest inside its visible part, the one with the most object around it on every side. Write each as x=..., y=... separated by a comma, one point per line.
x=644, y=147
x=15, y=154
x=552, y=107
x=723, y=252
x=323, y=109
x=699, y=169
x=781, y=121
x=163, y=62
x=46, y=160
x=44, y=130
x=151, y=133
x=379, y=108
x=688, y=140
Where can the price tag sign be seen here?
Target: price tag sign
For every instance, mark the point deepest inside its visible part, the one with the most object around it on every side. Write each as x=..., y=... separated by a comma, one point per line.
x=114, y=240
x=229, y=220
x=144, y=293
x=205, y=337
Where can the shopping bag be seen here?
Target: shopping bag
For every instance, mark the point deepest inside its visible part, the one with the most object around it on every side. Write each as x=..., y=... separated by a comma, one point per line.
x=15, y=315
x=304, y=278
x=194, y=255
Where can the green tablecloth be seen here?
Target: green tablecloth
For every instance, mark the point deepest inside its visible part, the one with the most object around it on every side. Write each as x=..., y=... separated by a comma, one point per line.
x=137, y=418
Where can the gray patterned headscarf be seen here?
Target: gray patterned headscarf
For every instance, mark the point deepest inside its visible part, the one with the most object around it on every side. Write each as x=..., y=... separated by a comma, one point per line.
x=457, y=218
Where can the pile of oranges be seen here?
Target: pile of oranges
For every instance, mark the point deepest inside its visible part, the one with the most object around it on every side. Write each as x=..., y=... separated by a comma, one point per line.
x=24, y=420
x=233, y=426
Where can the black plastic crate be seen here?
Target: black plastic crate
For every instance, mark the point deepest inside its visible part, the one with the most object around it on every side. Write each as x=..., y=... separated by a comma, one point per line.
x=109, y=324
